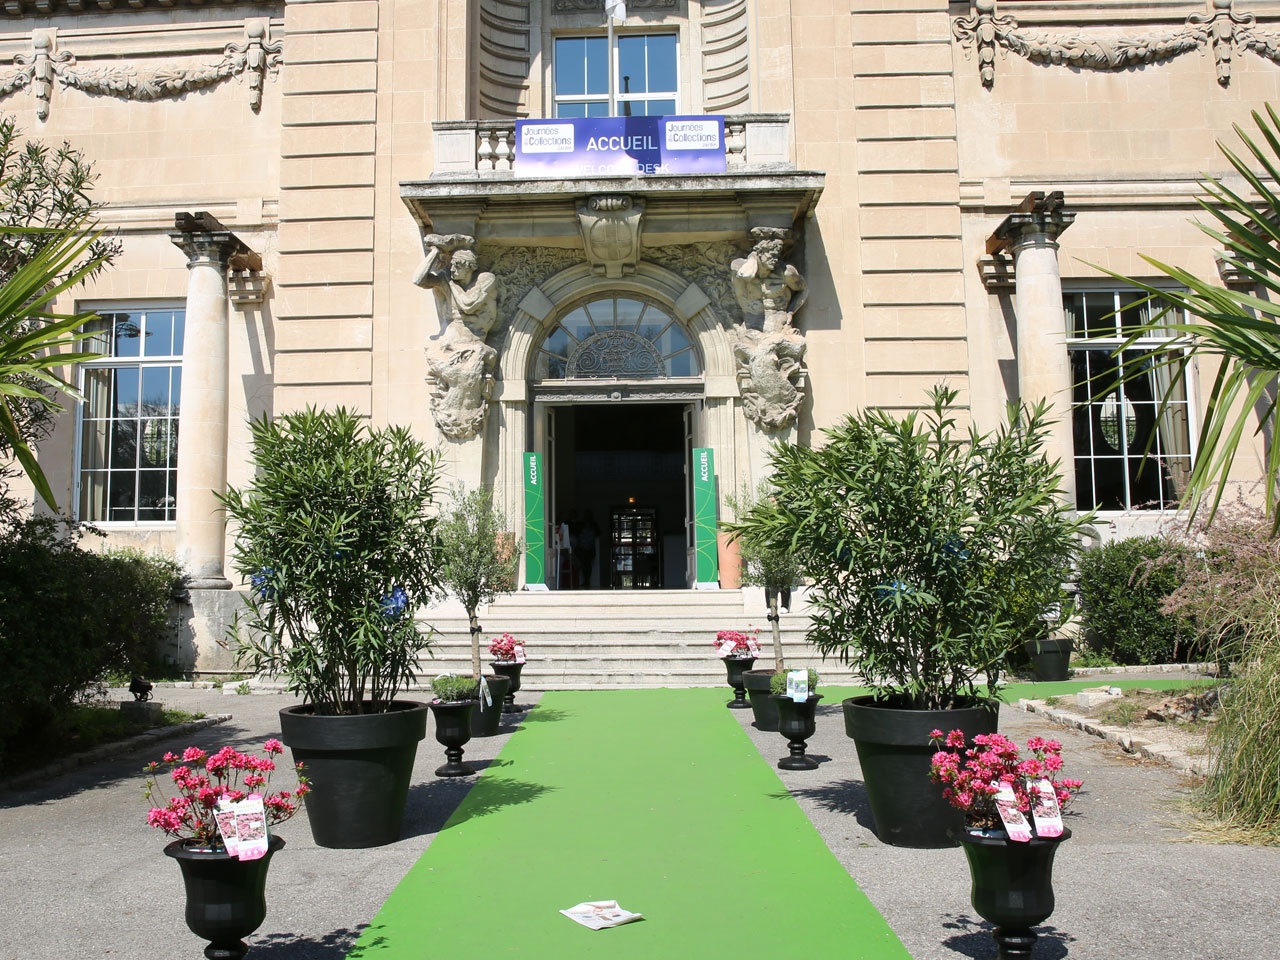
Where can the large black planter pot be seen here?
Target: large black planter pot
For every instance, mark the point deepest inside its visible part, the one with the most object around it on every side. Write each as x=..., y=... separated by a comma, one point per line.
x=510, y=670
x=1050, y=657
x=894, y=753
x=735, y=667
x=360, y=766
x=453, y=731
x=1012, y=887
x=226, y=897
x=485, y=721
x=765, y=710
x=796, y=723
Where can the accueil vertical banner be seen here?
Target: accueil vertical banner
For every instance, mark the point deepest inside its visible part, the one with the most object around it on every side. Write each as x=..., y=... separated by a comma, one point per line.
x=704, y=518
x=535, y=524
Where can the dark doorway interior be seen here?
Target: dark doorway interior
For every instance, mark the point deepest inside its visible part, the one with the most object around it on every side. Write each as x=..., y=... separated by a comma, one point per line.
x=612, y=458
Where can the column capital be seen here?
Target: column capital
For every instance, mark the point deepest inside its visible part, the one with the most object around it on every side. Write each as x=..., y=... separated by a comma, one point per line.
x=1039, y=219
x=205, y=240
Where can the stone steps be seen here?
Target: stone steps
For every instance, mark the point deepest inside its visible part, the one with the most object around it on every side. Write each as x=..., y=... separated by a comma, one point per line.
x=586, y=640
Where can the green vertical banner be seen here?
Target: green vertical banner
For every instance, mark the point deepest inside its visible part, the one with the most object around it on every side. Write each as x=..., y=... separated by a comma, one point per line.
x=704, y=518
x=535, y=524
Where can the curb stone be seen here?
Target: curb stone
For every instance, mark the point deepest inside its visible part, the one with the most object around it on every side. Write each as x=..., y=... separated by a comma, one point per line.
x=1162, y=752
x=117, y=748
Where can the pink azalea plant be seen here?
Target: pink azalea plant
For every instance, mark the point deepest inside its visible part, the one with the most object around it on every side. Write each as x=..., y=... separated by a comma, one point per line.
x=202, y=779
x=503, y=648
x=971, y=776
x=744, y=644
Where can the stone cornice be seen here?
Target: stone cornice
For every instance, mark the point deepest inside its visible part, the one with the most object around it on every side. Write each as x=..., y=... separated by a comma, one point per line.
x=49, y=8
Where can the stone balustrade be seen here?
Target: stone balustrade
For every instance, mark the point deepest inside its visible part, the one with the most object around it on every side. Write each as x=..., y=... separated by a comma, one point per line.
x=488, y=147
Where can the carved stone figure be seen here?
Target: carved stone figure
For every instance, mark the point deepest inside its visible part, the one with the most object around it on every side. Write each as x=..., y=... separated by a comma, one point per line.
x=460, y=364
x=768, y=348
x=769, y=291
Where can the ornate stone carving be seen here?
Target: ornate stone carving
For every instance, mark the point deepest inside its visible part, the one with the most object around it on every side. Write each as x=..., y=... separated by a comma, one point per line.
x=460, y=364
x=703, y=264
x=768, y=348
x=616, y=353
x=610, y=225
x=1221, y=29
x=251, y=60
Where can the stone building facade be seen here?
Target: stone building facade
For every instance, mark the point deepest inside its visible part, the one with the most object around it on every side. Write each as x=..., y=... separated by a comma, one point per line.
x=325, y=198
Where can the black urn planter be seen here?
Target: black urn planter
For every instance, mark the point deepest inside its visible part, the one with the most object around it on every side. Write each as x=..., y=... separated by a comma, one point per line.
x=735, y=667
x=1012, y=887
x=1050, y=657
x=765, y=710
x=510, y=670
x=796, y=722
x=453, y=731
x=361, y=765
x=226, y=897
x=486, y=720
x=894, y=752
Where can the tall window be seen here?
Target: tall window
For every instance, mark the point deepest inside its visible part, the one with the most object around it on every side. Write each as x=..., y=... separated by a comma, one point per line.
x=129, y=418
x=1131, y=452
x=645, y=75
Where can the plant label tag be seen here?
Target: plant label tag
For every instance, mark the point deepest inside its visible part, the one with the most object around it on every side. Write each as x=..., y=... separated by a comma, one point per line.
x=519, y=653
x=798, y=685
x=251, y=828
x=486, y=698
x=726, y=648
x=1015, y=824
x=225, y=815
x=752, y=647
x=1045, y=811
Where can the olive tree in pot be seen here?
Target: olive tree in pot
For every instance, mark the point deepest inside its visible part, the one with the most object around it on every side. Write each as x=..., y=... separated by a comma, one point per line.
x=921, y=543
x=478, y=563
x=773, y=566
x=335, y=536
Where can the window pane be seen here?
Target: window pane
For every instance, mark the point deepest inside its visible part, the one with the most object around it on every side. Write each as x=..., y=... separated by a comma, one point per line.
x=126, y=392
x=571, y=109
x=647, y=63
x=128, y=335
x=571, y=66
x=577, y=324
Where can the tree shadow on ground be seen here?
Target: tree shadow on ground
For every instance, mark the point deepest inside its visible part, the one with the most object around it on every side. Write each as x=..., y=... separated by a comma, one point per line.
x=432, y=804
x=840, y=796
x=283, y=946
x=973, y=939
x=541, y=714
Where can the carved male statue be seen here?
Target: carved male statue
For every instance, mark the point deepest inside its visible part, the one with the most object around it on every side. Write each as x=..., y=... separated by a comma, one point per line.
x=460, y=364
x=769, y=291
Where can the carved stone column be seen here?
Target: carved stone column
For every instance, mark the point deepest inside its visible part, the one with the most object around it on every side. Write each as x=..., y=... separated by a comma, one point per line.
x=1031, y=234
x=202, y=417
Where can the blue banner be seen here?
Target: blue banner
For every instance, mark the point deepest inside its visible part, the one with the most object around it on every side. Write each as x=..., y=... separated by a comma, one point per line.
x=603, y=146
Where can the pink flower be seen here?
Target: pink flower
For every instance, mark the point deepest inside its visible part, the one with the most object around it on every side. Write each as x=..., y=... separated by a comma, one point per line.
x=273, y=746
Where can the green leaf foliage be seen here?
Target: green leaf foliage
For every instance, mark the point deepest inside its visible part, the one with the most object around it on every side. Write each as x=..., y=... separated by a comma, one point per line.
x=450, y=688
x=922, y=543
x=1123, y=585
x=336, y=536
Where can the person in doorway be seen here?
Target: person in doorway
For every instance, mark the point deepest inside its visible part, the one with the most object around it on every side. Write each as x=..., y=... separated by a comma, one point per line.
x=584, y=548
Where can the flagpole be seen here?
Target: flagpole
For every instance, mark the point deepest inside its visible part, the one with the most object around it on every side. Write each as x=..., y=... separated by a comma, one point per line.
x=613, y=85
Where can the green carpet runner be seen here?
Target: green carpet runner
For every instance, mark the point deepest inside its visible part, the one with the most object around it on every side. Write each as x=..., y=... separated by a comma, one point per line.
x=654, y=798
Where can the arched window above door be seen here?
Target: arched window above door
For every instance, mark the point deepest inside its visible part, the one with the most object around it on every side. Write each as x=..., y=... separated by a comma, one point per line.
x=616, y=338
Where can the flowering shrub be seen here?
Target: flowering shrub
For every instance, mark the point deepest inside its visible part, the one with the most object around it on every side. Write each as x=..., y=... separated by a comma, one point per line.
x=972, y=776
x=503, y=648
x=202, y=779
x=744, y=644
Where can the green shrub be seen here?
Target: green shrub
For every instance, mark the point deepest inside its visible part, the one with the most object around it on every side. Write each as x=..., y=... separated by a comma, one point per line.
x=69, y=617
x=450, y=688
x=1123, y=585
x=778, y=683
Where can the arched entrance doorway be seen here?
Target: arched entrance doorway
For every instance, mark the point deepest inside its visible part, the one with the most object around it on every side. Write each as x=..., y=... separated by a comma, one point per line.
x=616, y=384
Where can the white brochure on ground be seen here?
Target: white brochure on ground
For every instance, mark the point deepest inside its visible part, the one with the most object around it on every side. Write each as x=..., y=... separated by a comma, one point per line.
x=598, y=914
